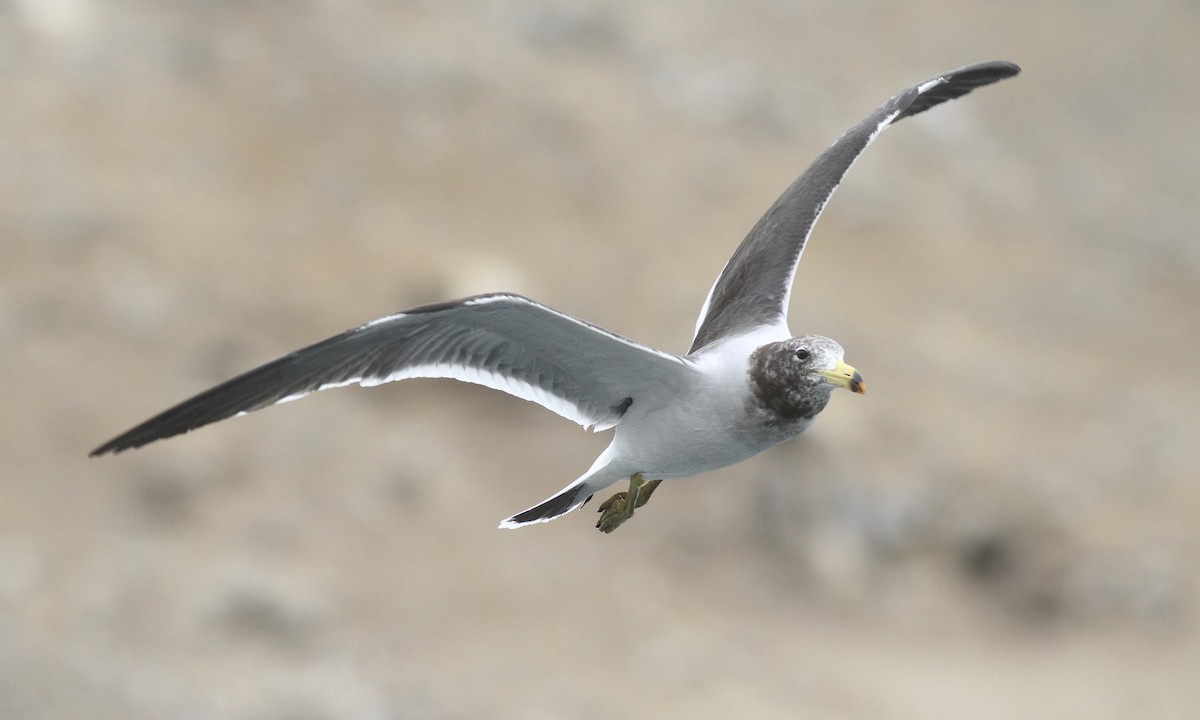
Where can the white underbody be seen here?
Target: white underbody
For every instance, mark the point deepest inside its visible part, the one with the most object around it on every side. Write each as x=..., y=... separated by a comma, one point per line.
x=714, y=425
x=710, y=424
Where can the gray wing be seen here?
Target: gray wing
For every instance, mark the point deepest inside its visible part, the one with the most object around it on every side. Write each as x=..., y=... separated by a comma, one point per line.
x=506, y=342
x=753, y=288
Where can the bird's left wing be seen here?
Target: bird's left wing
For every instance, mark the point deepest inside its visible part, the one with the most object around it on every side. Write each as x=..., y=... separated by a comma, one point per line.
x=753, y=288
x=506, y=342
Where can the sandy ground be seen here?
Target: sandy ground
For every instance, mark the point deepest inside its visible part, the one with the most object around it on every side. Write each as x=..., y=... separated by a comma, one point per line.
x=1006, y=526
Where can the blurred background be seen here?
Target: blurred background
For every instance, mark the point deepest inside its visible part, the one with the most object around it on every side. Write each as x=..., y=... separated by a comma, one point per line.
x=1006, y=526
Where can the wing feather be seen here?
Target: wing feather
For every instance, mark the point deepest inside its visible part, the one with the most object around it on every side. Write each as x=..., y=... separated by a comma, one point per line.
x=754, y=287
x=506, y=342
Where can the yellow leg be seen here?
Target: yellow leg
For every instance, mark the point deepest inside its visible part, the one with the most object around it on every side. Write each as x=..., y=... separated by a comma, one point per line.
x=646, y=491
x=619, y=508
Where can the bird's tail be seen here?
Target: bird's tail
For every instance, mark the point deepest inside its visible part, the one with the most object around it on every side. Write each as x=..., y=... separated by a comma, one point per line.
x=572, y=497
x=565, y=501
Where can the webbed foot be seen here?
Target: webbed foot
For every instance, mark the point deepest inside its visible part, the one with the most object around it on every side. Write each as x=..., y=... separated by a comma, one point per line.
x=613, y=512
x=619, y=508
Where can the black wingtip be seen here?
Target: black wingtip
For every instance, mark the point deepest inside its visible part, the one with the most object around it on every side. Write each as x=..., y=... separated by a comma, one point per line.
x=119, y=443
x=954, y=84
x=184, y=417
x=111, y=446
x=997, y=69
x=970, y=77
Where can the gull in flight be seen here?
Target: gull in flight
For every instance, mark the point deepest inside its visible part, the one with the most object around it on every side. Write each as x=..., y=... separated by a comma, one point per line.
x=745, y=385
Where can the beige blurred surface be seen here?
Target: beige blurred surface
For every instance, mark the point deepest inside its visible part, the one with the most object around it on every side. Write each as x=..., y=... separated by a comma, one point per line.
x=1006, y=526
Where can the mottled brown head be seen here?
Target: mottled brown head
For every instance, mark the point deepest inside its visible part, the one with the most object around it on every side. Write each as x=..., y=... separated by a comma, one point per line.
x=793, y=379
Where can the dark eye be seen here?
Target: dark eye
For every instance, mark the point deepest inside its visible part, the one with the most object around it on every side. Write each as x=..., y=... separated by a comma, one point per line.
x=802, y=354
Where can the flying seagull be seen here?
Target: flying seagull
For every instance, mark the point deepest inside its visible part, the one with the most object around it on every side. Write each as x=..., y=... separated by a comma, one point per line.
x=746, y=384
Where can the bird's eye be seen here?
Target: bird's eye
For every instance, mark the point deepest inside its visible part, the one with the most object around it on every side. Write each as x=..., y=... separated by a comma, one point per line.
x=802, y=354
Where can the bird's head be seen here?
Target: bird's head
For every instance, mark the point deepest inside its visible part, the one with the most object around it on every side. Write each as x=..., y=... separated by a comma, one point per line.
x=794, y=377
x=818, y=360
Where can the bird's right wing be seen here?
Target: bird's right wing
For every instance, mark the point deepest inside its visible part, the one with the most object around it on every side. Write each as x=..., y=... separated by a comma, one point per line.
x=506, y=342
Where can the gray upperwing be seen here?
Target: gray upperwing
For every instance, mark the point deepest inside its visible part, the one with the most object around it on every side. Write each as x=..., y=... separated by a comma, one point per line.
x=506, y=342
x=753, y=288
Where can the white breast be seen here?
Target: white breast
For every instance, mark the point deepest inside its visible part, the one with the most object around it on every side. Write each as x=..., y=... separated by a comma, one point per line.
x=710, y=425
